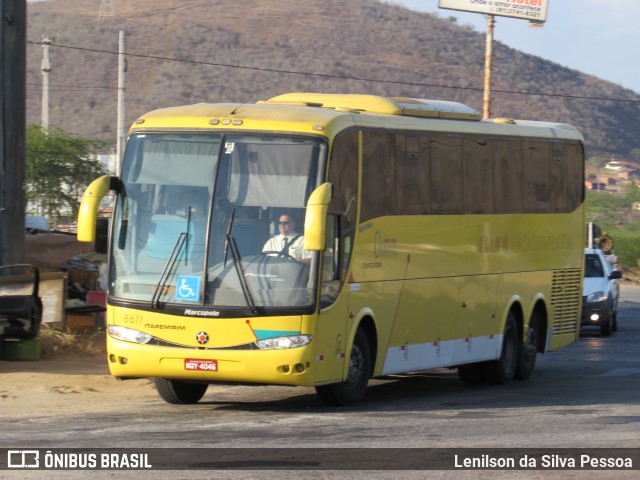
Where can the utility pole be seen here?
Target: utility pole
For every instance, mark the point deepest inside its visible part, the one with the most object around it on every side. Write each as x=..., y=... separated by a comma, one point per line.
x=120, y=127
x=13, y=52
x=535, y=12
x=46, y=68
x=488, y=66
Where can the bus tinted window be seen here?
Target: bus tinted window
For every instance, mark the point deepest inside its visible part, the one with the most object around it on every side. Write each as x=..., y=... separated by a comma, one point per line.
x=508, y=176
x=477, y=176
x=445, y=174
x=412, y=170
x=440, y=174
x=378, y=173
x=343, y=174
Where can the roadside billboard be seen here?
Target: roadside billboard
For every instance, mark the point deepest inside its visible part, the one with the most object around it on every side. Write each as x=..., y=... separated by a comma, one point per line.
x=533, y=10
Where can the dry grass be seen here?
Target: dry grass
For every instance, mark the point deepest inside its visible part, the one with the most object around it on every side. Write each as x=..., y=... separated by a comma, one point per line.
x=428, y=56
x=62, y=341
x=630, y=275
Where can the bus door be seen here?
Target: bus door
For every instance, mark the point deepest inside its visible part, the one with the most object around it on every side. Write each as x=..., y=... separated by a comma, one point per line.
x=333, y=320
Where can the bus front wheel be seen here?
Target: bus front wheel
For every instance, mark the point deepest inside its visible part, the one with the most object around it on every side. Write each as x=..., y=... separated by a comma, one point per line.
x=352, y=390
x=179, y=393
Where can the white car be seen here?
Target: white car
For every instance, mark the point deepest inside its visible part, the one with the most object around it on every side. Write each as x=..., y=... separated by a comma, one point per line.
x=600, y=292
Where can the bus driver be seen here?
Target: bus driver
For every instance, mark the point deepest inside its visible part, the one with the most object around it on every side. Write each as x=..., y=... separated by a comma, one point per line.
x=288, y=242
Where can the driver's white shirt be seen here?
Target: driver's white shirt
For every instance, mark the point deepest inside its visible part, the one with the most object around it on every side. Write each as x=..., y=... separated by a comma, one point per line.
x=295, y=249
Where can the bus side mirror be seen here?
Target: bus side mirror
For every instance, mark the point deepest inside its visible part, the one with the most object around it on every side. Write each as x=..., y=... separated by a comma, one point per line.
x=315, y=220
x=89, y=206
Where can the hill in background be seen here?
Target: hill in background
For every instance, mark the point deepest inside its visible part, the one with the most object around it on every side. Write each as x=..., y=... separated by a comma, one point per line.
x=203, y=51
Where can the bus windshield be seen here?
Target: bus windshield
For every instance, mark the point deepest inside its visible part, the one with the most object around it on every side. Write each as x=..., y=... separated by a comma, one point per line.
x=195, y=213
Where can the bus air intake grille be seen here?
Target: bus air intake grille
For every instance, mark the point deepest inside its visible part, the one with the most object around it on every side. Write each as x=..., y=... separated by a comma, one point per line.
x=566, y=295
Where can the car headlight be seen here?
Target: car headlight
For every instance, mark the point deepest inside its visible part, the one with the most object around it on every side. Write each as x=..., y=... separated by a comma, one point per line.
x=283, y=343
x=128, y=334
x=597, y=297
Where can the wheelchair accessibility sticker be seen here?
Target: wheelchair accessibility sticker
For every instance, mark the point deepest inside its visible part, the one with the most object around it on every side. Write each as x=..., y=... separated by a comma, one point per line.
x=188, y=288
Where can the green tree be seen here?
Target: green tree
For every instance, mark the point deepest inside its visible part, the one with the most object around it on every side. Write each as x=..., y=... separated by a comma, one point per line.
x=597, y=162
x=631, y=194
x=605, y=208
x=58, y=169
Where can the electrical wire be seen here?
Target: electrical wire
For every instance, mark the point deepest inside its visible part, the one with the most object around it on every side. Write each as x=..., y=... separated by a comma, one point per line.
x=340, y=77
x=62, y=88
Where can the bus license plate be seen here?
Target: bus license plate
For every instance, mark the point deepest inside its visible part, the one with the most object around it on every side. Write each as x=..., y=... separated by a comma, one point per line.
x=204, y=365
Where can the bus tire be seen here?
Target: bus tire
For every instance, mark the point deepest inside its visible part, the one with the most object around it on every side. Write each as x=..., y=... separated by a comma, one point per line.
x=528, y=350
x=179, y=393
x=503, y=370
x=352, y=390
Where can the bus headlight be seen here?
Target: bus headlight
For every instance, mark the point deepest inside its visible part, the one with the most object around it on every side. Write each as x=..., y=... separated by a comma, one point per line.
x=128, y=334
x=283, y=343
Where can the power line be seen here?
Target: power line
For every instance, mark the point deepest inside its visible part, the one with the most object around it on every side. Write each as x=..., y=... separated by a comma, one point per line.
x=63, y=88
x=341, y=77
x=95, y=134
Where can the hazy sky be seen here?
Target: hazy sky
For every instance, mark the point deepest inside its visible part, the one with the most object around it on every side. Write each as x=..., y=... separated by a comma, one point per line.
x=598, y=37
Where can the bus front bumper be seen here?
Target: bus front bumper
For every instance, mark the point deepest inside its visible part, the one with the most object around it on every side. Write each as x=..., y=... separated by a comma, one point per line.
x=279, y=367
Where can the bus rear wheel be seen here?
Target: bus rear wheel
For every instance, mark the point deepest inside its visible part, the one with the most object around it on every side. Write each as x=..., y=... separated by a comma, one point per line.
x=503, y=369
x=179, y=393
x=352, y=390
x=528, y=350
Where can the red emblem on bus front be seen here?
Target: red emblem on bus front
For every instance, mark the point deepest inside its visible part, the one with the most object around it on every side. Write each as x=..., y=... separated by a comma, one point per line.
x=202, y=338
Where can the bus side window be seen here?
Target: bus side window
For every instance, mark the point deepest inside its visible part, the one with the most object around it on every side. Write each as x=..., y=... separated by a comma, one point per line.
x=330, y=286
x=342, y=218
x=330, y=259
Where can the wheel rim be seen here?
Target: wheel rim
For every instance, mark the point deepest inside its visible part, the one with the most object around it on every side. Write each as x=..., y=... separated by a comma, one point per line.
x=356, y=365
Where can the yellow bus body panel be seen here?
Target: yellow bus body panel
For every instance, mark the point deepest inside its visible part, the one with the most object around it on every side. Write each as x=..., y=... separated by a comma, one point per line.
x=240, y=364
x=278, y=367
x=449, y=283
x=438, y=289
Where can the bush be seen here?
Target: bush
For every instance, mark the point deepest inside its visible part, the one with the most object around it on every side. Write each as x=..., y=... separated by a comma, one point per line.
x=62, y=341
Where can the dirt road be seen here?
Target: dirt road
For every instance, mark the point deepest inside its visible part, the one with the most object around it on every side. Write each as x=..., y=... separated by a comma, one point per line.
x=71, y=382
x=82, y=382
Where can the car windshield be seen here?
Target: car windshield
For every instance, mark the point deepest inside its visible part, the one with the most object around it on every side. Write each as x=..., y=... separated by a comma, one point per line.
x=195, y=212
x=592, y=266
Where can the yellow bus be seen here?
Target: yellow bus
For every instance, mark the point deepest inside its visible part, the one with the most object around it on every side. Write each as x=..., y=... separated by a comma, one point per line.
x=431, y=238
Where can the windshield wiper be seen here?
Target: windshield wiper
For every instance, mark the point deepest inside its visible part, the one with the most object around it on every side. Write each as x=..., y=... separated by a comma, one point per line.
x=230, y=242
x=168, y=268
x=228, y=236
x=183, y=239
